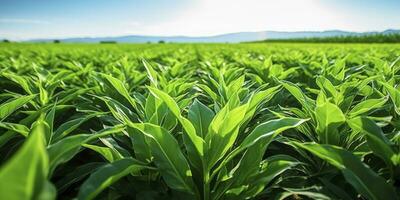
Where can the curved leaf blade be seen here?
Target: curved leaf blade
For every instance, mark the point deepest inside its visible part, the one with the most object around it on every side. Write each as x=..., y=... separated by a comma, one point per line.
x=9, y=107
x=25, y=174
x=169, y=158
x=359, y=175
x=107, y=175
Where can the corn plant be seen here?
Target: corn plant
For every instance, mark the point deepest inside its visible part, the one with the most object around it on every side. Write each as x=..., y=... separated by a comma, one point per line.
x=204, y=121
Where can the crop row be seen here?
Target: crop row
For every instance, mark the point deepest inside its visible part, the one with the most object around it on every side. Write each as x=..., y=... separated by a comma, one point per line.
x=245, y=121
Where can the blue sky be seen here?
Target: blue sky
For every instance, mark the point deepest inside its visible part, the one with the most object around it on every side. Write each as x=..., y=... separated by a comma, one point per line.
x=26, y=19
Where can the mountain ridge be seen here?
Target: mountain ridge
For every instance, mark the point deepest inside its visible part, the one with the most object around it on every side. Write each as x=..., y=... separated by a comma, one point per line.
x=222, y=38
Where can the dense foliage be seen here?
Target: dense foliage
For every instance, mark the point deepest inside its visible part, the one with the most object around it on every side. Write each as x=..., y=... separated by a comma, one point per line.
x=368, y=38
x=243, y=121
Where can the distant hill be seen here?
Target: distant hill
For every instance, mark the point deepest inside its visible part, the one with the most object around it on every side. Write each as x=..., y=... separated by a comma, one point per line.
x=231, y=37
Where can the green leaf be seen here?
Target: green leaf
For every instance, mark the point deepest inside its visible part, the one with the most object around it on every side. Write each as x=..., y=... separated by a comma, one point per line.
x=106, y=152
x=121, y=89
x=256, y=143
x=140, y=145
x=339, y=68
x=119, y=111
x=329, y=117
x=193, y=142
x=151, y=73
x=329, y=89
x=22, y=81
x=201, y=117
x=43, y=94
x=65, y=149
x=305, y=101
x=268, y=130
x=359, y=175
x=107, y=175
x=169, y=158
x=173, y=106
x=366, y=106
x=299, y=193
x=49, y=192
x=394, y=94
x=270, y=169
x=19, y=128
x=50, y=121
x=11, y=106
x=79, y=173
x=151, y=106
x=376, y=140
x=70, y=126
x=25, y=174
x=259, y=97
x=223, y=132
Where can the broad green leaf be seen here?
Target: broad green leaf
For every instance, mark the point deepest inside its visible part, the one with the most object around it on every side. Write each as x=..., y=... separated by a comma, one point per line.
x=79, y=173
x=121, y=89
x=11, y=106
x=270, y=169
x=305, y=101
x=151, y=106
x=339, y=68
x=329, y=117
x=106, y=152
x=258, y=98
x=360, y=176
x=111, y=143
x=119, y=111
x=172, y=105
x=22, y=81
x=107, y=175
x=66, y=148
x=366, y=106
x=329, y=89
x=376, y=140
x=140, y=145
x=169, y=158
x=25, y=174
x=27, y=121
x=209, y=92
x=394, y=94
x=235, y=86
x=201, y=117
x=256, y=143
x=49, y=192
x=268, y=130
x=223, y=132
x=193, y=142
x=70, y=126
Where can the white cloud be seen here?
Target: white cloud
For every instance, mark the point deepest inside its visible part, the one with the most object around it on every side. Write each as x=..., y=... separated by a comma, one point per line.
x=212, y=17
x=208, y=17
x=132, y=24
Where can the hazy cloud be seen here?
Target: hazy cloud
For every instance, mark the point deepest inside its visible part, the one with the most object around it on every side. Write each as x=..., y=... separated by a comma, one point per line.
x=23, y=21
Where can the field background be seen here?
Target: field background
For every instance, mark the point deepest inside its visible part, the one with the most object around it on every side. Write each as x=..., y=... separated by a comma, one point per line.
x=199, y=121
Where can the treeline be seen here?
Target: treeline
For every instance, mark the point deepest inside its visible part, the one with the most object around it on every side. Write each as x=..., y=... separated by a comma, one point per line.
x=370, y=38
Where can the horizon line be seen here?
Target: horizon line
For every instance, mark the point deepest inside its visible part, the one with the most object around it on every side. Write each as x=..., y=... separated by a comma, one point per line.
x=187, y=36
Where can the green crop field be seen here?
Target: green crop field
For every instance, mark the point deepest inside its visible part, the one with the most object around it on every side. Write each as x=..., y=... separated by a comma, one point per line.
x=199, y=121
